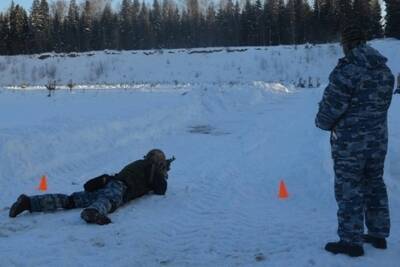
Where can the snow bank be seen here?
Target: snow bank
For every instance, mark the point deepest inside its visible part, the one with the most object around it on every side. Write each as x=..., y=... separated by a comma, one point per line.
x=289, y=64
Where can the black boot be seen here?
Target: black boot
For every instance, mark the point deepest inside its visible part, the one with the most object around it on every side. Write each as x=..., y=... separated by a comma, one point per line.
x=345, y=248
x=376, y=242
x=23, y=203
x=94, y=216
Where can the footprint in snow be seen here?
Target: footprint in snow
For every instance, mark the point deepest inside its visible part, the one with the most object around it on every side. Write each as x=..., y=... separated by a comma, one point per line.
x=260, y=257
x=165, y=262
x=97, y=242
x=9, y=228
x=311, y=262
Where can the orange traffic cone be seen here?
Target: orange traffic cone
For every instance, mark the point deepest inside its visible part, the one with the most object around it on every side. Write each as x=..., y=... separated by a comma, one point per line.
x=283, y=193
x=43, y=184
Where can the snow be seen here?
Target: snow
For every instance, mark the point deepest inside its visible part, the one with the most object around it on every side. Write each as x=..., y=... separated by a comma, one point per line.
x=285, y=64
x=235, y=136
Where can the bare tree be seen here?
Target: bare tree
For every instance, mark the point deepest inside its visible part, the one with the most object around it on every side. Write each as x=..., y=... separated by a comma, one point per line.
x=98, y=6
x=59, y=7
x=51, y=87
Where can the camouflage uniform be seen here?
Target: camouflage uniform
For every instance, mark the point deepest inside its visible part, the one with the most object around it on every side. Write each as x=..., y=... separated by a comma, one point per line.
x=130, y=183
x=105, y=193
x=104, y=200
x=398, y=84
x=354, y=108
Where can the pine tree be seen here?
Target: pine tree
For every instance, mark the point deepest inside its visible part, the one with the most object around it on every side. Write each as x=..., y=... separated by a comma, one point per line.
x=392, y=28
x=193, y=13
x=307, y=22
x=325, y=21
x=40, y=25
x=211, y=38
x=45, y=12
x=331, y=22
x=136, y=26
x=282, y=22
x=156, y=22
x=259, y=28
x=301, y=10
x=376, y=30
x=96, y=42
x=176, y=19
x=248, y=24
x=143, y=28
x=135, y=9
x=166, y=26
x=72, y=31
x=125, y=24
x=226, y=24
x=271, y=27
x=4, y=33
x=185, y=32
x=344, y=13
x=291, y=13
x=18, y=30
x=362, y=16
x=316, y=22
x=202, y=31
x=236, y=23
x=86, y=27
x=108, y=22
x=57, y=32
x=34, y=21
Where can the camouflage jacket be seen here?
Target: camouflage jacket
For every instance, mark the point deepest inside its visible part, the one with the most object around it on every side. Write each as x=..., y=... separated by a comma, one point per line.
x=398, y=85
x=136, y=177
x=355, y=103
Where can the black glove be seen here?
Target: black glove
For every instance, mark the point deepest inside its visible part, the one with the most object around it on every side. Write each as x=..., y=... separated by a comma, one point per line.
x=97, y=183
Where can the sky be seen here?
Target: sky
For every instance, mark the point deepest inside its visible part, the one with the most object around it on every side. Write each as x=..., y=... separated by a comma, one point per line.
x=4, y=4
x=27, y=4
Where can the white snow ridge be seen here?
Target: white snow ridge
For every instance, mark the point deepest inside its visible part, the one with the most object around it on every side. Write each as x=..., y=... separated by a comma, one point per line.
x=237, y=122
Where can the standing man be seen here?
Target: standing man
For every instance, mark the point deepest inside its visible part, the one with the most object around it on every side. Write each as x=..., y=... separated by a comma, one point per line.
x=354, y=109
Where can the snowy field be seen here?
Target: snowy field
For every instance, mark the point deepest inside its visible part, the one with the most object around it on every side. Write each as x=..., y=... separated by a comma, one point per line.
x=286, y=64
x=233, y=142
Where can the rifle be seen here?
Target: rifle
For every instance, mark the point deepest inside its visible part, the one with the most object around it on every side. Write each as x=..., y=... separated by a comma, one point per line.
x=169, y=161
x=167, y=168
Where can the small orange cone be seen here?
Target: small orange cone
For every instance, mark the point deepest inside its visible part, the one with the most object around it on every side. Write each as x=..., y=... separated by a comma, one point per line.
x=283, y=193
x=43, y=184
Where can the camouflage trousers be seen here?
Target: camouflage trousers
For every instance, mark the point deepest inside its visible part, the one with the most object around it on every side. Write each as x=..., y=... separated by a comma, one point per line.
x=104, y=200
x=361, y=196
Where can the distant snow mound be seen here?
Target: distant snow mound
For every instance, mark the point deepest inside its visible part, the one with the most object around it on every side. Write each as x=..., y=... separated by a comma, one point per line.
x=274, y=87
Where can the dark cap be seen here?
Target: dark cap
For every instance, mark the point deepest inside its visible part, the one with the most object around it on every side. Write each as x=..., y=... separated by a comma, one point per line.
x=155, y=156
x=352, y=34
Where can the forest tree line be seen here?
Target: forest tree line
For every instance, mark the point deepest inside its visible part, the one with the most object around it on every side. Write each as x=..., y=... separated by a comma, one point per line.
x=66, y=26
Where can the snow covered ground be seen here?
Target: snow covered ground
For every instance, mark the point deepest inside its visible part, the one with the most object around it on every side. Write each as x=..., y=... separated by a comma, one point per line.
x=234, y=140
x=287, y=64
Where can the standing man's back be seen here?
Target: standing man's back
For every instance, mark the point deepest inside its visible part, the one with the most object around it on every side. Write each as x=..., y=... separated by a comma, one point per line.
x=354, y=108
x=356, y=104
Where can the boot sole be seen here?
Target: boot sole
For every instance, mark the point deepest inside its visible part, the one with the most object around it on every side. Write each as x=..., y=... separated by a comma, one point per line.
x=13, y=213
